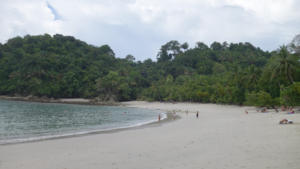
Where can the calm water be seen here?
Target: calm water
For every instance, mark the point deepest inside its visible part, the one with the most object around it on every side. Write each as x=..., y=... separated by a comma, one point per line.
x=24, y=121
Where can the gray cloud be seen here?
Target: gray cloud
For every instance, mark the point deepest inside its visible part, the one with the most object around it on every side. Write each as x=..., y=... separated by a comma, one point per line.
x=140, y=27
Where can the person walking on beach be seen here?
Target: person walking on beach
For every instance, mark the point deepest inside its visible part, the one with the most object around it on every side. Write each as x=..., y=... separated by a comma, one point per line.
x=197, y=114
x=158, y=117
x=174, y=114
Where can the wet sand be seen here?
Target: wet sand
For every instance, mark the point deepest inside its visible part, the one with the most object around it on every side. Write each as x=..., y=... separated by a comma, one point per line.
x=222, y=137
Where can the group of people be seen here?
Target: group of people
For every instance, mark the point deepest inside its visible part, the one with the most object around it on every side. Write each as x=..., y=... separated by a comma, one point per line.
x=197, y=113
x=264, y=110
x=174, y=115
x=283, y=108
x=285, y=121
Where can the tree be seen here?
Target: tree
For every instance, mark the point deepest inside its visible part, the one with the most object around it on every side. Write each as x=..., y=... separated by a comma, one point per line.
x=290, y=95
x=130, y=58
x=185, y=46
x=216, y=46
x=260, y=98
x=201, y=46
x=284, y=66
x=294, y=46
x=109, y=84
x=169, y=51
x=62, y=66
x=253, y=74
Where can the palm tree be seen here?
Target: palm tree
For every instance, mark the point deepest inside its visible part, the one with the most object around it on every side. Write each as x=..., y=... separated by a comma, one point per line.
x=252, y=74
x=284, y=66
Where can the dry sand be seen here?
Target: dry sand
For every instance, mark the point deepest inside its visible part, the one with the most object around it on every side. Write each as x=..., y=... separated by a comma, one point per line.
x=222, y=137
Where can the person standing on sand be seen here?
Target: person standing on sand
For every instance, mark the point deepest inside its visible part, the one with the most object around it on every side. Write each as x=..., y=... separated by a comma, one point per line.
x=197, y=114
x=174, y=114
x=158, y=117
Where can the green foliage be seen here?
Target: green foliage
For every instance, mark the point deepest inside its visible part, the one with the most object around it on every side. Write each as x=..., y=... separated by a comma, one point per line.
x=236, y=73
x=170, y=50
x=260, y=98
x=58, y=66
x=284, y=66
x=290, y=95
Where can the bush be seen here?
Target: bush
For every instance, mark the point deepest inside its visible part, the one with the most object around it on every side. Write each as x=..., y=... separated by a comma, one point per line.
x=260, y=98
x=290, y=96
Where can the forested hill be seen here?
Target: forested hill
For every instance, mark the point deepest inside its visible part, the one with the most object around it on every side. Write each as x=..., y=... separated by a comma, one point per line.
x=62, y=66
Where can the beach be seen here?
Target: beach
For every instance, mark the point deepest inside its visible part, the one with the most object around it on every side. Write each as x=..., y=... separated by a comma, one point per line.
x=222, y=137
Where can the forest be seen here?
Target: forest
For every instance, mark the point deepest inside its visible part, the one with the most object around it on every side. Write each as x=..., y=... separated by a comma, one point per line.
x=61, y=66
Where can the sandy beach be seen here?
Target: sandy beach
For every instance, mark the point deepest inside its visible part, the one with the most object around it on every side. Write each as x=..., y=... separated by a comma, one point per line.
x=223, y=137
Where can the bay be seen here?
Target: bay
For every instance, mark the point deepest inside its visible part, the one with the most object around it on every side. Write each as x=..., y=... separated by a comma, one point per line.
x=27, y=121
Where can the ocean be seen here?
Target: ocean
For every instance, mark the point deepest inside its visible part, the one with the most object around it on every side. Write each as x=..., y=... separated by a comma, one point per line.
x=30, y=121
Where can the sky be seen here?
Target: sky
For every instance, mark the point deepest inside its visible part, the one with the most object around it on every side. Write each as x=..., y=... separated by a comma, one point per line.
x=141, y=27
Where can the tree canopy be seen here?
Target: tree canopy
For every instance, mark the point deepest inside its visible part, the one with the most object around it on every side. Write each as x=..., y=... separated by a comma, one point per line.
x=236, y=73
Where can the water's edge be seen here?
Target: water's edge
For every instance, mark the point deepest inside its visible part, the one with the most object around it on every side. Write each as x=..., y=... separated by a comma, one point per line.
x=79, y=101
x=166, y=117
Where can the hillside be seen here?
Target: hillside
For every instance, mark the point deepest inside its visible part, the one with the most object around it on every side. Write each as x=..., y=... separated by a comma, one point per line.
x=62, y=66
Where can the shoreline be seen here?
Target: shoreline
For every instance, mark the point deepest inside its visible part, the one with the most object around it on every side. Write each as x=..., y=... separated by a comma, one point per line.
x=153, y=123
x=80, y=101
x=223, y=136
x=84, y=101
x=170, y=116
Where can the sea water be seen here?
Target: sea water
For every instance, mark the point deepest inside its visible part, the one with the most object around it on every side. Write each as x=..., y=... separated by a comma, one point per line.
x=28, y=121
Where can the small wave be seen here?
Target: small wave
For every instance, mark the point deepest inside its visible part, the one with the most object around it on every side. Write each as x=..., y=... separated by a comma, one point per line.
x=80, y=133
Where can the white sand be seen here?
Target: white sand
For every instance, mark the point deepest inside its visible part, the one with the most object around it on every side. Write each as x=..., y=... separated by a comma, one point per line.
x=222, y=137
x=72, y=100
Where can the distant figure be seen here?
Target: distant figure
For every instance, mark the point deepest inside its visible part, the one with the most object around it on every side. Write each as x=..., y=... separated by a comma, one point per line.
x=174, y=114
x=158, y=117
x=285, y=121
x=264, y=110
x=197, y=114
x=246, y=111
x=292, y=112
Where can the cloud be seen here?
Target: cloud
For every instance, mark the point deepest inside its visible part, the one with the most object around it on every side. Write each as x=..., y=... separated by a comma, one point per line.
x=140, y=27
x=18, y=18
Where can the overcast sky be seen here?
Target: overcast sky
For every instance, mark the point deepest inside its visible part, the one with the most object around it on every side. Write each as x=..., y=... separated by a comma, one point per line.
x=140, y=27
